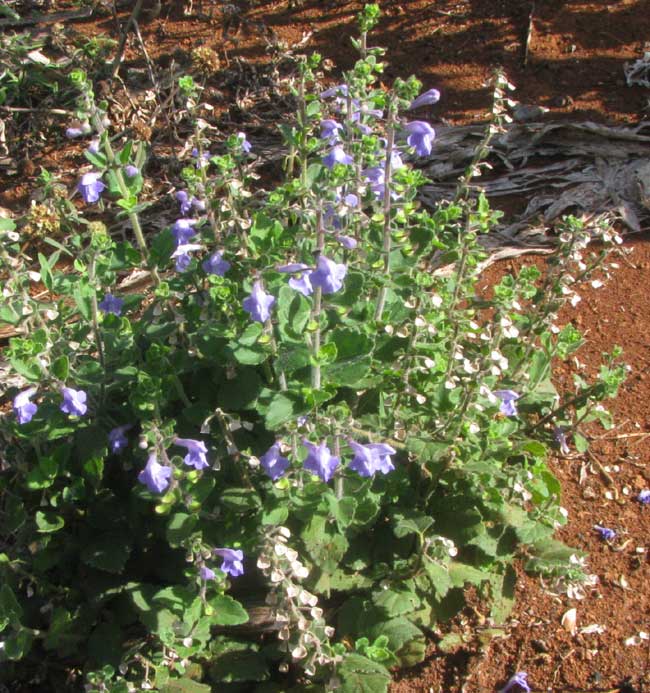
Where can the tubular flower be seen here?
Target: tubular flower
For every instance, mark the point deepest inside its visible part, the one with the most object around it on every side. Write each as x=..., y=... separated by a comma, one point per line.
x=74, y=402
x=328, y=275
x=91, y=187
x=155, y=476
x=182, y=230
x=337, y=156
x=508, y=399
x=259, y=303
x=196, y=452
x=215, y=264
x=273, y=463
x=232, y=561
x=371, y=458
x=117, y=441
x=427, y=99
x=320, y=461
x=23, y=407
x=420, y=136
x=111, y=304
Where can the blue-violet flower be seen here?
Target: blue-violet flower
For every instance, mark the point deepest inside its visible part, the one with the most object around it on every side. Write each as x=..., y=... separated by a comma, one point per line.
x=183, y=257
x=273, y=463
x=182, y=230
x=196, y=452
x=259, y=303
x=606, y=533
x=420, y=136
x=117, y=441
x=371, y=458
x=328, y=275
x=74, y=402
x=232, y=561
x=215, y=264
x=155, y=476
x=337, y=156
x=207, y=573
x=23, y=407
x=243, y=142
x=320, y=461
x=519, y=679
x=91, y=187
x=508, y=399
x=111, y=304
x=427, y=99
x=644, y=496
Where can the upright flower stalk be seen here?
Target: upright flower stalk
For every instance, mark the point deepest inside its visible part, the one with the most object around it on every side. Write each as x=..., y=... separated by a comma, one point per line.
x=386, y=239
x=316, y=308
x=133, y=216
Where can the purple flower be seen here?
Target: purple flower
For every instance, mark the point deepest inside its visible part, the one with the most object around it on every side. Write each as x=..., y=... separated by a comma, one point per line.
x=351, y=200
x=508, y=399
x=302, y=284
x=519, y=679
x=560, y=439
x=131, y=170
x=184, y=199
x=372, y=458
x=111, y=304
x=376, y=176
x=155, y=476
x=338, y=90
x=606, y=533
x=293, y=267
x=215, y=264
x=117, y=441
x=420, y=136
x=91, y=187
x=243, y=142
x=427, y=99
x=75, y=132
x=196, y=452
x=74, y=402
x=93, y=147
x=206, y=573
x=23, y=408
x=200, y=160
x=319, y=460
x=329, y=130
x=273, y=463
x=259, y=303
x=183, y=257
x=182, y=230
x=232, y=561
x=337, y=156
x=347, y=242
x=328, y=275
x=644, y=496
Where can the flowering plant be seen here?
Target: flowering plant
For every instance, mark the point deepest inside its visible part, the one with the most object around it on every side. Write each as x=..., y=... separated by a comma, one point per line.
x=361, y=439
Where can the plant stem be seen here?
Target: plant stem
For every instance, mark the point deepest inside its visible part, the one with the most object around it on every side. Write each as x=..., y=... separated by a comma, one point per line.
x=316, y=308
x=386, y=242
x=95, y=312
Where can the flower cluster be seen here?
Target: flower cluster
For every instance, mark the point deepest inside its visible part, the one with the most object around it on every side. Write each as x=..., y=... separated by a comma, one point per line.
x=367, y=461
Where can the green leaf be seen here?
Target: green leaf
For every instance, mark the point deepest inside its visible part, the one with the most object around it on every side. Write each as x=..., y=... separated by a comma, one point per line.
x=503, y=595
x=240, y=500
x=61, y=367
x=280, y=410
x=185, y=685
x=179, y=528
x=293, y=313
x=48, y=521
x=342, y=510
x=410, y=522
x=461, y=573
x=405, y=639
x=46, y=271
x=227, y=611
x=235, y=661
x=323, y=543
x=10, y=609
x=353, y=357
x=108, y=552
x=275, y=516
x=83, y=295
x=94, y=471
x=361, y=675
x=439, y=577
x=396, y=601
x=18, y=645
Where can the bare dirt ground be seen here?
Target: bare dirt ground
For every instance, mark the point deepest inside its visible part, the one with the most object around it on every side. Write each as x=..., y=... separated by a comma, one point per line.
x=567, y=56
